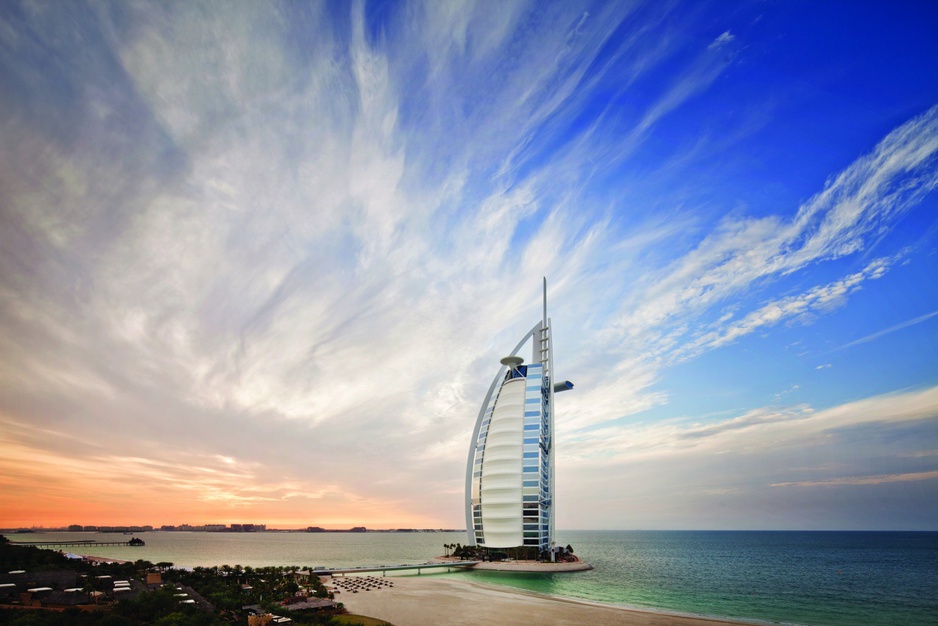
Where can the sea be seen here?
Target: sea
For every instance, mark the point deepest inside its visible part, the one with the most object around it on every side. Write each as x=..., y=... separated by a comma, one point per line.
x=778, y=577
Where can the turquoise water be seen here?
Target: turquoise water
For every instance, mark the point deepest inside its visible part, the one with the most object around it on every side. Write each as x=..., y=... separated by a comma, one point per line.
x=815, y=578
x=812, y=578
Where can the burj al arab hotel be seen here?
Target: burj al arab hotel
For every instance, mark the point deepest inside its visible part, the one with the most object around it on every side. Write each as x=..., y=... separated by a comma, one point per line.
x=510, y=472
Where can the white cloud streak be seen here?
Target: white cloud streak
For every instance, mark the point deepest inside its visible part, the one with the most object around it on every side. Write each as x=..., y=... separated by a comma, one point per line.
x=817, y=300
x=887, y=331
x=863, y=480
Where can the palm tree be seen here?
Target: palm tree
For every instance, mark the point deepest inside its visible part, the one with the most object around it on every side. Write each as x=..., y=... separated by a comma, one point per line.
x=141, y=567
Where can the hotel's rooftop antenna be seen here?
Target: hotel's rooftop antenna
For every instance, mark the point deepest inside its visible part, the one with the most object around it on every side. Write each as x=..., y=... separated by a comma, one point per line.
x=544, y=319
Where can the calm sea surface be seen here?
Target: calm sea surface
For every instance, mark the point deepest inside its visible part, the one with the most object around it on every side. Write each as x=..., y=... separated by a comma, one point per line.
x=812, y=578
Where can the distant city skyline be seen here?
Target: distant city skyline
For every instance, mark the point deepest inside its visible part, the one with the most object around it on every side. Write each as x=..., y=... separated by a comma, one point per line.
x=231, y=527
x=257, y=259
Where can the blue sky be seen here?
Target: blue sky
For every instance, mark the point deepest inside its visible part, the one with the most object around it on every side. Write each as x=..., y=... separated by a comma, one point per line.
x=259, y=261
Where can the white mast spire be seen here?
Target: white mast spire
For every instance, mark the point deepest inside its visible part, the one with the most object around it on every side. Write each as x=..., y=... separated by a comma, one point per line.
x=544, y=318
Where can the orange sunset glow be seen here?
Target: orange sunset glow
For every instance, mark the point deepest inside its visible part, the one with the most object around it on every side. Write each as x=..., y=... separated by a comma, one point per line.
x=41, y=488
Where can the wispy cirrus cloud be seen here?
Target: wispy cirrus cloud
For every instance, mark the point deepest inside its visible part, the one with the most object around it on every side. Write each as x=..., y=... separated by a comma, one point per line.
x=886, y=182
x=801, y=307
x=702, y=72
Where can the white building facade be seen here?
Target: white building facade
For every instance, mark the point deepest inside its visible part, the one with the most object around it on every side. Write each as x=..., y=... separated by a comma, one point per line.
x=510, y=470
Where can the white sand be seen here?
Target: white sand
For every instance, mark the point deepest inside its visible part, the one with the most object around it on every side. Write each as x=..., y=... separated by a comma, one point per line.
x=423, y=600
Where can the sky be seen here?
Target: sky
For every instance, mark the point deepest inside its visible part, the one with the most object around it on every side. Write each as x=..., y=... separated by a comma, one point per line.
x=259, y=261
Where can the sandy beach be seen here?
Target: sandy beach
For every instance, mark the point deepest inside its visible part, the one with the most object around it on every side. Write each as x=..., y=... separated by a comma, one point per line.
x=418, y=601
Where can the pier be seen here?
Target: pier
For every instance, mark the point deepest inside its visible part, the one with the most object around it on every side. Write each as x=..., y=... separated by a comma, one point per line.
x=84, y=543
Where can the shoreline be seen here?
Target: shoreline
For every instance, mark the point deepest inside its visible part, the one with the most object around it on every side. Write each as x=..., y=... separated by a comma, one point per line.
x=417, y=601
x=100, y=559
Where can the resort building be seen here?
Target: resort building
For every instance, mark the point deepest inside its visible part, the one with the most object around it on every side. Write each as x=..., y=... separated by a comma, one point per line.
x=510, y=470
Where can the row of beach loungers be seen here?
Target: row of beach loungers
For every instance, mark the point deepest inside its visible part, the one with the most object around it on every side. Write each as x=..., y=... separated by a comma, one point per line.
x=354, y=584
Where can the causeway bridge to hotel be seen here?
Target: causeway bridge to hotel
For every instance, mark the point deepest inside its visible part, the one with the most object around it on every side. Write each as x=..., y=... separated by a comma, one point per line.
x=384, y=569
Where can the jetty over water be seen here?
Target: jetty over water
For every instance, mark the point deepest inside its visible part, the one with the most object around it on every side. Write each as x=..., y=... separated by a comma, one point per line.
x=384, y=569
x=84, y=543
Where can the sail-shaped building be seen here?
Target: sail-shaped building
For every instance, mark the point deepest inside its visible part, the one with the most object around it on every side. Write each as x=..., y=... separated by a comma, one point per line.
x=510, y=471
